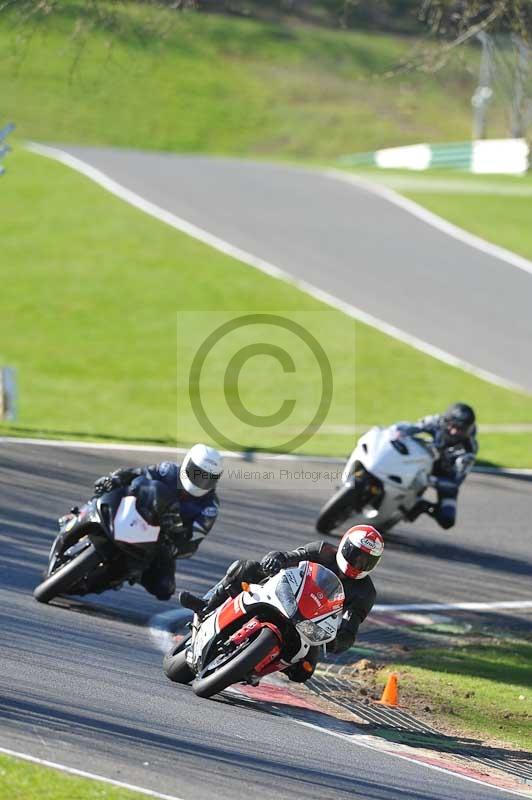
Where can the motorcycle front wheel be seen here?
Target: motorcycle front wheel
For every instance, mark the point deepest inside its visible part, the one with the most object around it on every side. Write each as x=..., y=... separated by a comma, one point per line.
x=237, y=667
x=66, y=576
x=337, y=509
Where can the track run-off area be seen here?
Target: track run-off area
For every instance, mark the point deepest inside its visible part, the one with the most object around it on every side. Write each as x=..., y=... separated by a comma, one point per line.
x=82, y=682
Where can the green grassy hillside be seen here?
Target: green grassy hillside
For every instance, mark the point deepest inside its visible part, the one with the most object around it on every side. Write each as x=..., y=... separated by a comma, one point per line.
x=92, y=291
x=198, y=82
x=91, y=288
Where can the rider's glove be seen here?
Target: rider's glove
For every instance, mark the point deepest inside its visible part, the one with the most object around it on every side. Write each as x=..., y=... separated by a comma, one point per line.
x=273, y=562
x=105, y=484
x=172, y=523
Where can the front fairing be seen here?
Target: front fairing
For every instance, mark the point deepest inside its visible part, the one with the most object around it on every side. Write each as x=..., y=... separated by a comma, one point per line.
x=397, y=460
x=125, y=522
x=73, y=528
x=307, y=599
x=97, y=520
x=310, y=596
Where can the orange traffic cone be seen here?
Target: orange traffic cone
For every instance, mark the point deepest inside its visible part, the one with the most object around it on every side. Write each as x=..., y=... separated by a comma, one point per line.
x=390, y=695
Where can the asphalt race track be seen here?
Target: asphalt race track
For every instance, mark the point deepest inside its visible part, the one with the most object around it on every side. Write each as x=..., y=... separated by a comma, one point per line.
x=81, y=681
x=349, y=242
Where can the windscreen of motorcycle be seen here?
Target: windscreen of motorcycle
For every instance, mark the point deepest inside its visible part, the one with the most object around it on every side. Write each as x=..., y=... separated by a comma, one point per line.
x=321, y=593
x=130, y=527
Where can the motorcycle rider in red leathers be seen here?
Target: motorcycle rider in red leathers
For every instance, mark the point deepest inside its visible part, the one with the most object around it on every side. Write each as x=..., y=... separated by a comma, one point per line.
x=358, y=552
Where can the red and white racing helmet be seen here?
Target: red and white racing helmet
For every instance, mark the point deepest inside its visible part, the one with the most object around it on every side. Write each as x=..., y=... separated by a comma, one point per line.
x=359, y=551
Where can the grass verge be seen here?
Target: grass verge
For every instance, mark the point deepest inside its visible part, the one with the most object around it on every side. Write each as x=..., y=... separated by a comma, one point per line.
x=20, y=780
x=91, y=291
x=482, y=689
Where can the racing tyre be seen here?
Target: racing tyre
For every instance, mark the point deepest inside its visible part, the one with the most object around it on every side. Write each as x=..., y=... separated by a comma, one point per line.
x=236, y=667
x=336, y=510
x=175, y=665
x=68, y=575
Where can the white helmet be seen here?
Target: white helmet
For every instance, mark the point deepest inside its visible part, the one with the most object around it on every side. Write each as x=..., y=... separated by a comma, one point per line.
x=201, y=469
x=359, y=551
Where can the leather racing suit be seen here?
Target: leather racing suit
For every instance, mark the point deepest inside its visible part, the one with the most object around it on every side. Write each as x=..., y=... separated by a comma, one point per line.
x=185, y=518
x=360, y=596
x=455, y=460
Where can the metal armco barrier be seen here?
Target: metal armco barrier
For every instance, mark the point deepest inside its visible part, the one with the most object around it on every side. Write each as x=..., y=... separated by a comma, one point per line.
x=8, y=394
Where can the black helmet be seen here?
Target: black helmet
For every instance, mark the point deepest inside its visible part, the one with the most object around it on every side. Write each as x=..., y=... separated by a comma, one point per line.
x=458, y=422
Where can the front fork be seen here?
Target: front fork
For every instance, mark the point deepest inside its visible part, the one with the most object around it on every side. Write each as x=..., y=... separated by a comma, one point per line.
x=251, y=628
x=59, y=546
x=73, y=528
x=365, y=487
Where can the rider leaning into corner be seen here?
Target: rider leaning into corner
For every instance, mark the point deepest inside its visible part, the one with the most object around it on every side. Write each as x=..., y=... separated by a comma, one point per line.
x=454, y=437
x=189, y=513
x=358, y=552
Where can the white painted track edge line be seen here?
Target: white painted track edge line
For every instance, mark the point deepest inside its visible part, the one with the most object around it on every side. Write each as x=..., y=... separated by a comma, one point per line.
x=468, y=606
x=219, y=244
x=448, y=771
x=92, y=776
x=251, y=456
x=159, y=796
x=434, y=220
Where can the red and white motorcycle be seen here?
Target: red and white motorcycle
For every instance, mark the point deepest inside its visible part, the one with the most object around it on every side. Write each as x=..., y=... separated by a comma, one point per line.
x=268, y=627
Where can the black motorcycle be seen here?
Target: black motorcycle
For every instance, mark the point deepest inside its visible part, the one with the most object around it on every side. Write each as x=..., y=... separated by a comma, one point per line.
x=110, y=540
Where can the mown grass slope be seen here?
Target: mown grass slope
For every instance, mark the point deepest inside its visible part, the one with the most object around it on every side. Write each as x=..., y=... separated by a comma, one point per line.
x=208, y=83
x=92, y=287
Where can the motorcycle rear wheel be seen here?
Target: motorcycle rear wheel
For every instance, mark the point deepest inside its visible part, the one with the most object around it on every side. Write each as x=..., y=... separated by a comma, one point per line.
x=64, y=578
x=175, y=664
x=337, y=509
x=238, y=668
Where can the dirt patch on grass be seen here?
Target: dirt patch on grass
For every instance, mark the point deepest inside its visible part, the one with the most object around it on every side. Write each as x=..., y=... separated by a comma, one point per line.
x=480, y=687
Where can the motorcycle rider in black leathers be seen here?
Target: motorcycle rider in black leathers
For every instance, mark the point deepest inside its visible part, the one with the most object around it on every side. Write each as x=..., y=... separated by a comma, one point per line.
x=453, y=435
x=358, y=552
x=187, y=516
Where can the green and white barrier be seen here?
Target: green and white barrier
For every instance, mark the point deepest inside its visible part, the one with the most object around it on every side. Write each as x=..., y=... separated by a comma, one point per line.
x=483, y=156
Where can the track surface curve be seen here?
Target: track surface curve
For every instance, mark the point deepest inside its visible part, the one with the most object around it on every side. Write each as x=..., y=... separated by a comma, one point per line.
x=349, y=242
x=82, y=684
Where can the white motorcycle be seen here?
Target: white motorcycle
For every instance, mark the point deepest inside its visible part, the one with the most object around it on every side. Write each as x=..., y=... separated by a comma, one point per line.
x=266, y=628
x=385, y=476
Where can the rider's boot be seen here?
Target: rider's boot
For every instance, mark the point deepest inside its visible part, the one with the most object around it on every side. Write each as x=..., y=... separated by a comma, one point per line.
x=421, y=507
x=204, y=605
x=192, y=601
